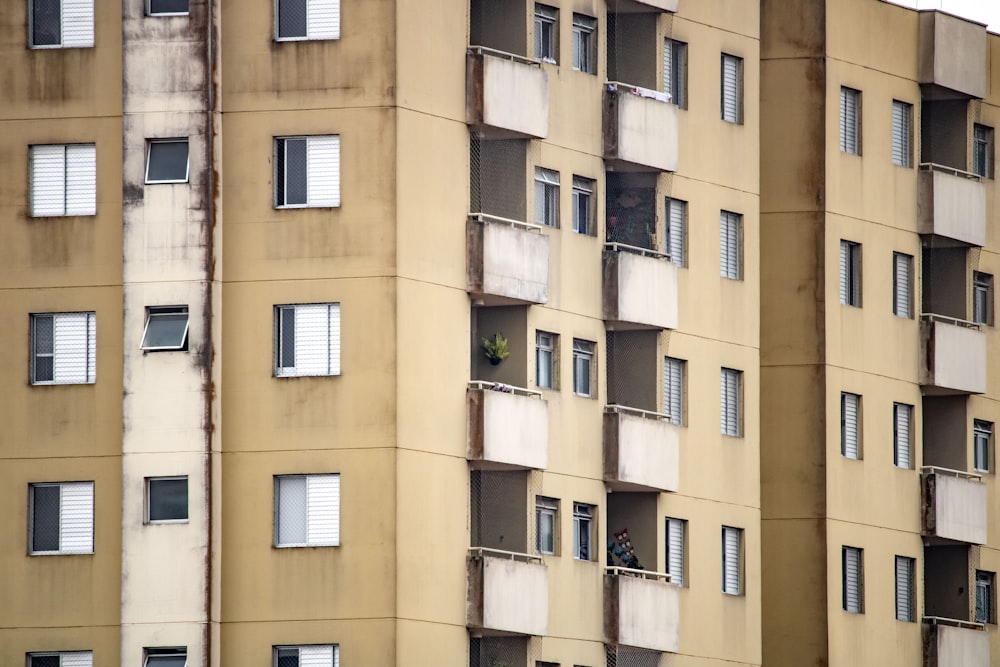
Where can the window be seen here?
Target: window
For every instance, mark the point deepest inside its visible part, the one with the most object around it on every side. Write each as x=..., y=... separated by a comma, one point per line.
x=732, y=93
x=729, y=245
x=307, y=340
x=676, y=529
x=982, y=444
x=902, y=133
x=583, y=208
x=675, y=71
x=63, y=348
x=731, y=548
x=546, y=197
x=307, y=656
x=902, y=285
x=677, y=230
x=984, y=597
x=546, y=525
x=982, y=150
x=167, y=161
x=166, y=7
x=853, y=588
x=165, y=657
x=166, y=329
x=902, y=417
x=166, y=499
x=583, y=525
x=850, y=273
x=63, y=180
x=546, y=35
x=306, y=19
x=730, y=408
x=61, y=23
x=545, y=360
x=61, y=518
x=850, y=414
x=982, y=298
x=64, y=659
x=673, y=389
x=584, y=51
x=583, y=359
x=307, y=172
x=306, y=510
x=850, y=121
x=904, y=588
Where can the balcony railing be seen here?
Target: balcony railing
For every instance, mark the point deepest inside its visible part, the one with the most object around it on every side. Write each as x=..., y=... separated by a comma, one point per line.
x=951, y=203
x=508, y=592
x=641, y=609
x=640, y=288
x=640, y=128
x=953, y=359
x=508, y=260
x=641, y=450
x=954, y=505
x=507, y=94
x=507, y=425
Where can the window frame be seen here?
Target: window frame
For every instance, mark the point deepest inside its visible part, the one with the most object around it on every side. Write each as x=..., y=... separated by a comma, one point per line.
x=674, y=527
x=731, y=390
x=583, y=528
x=583, y=199
x=675, y=375
x=730, y=534
x=149, y=483
x=846, y=399
x=734, y=114
x=59, y=519
x=985, y=581
x=77, y=171
x=730, y=245
x=149, y=157
x=982, y=446
x=546, y=342
x=331, y=199
x=546, y=506
x=85, y=44
x=675, y=234
x=849, y=605
x=902, y=284
x=982, y=286
x=584, y=43
x=333, y=331
x=906, y=586
x=547, y=197
x=902, y=438
x=154, y=656
x=546, y=24
x=982, y=148
x=584, y=352
x=151, y=13
x=902, y=134
x=157, y=312
x=275, y=650
x=851, y=283
x=60, y=654
x=675, y=64
x=331, y=34
x=850, y=120
x=335, y=518
x=90, y=345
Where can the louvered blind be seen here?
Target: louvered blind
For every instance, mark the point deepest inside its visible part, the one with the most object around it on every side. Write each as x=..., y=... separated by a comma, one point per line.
x=730, y=88
x=74, y=348
x=323, y=513
x=81, y=179
x=731, y=560
x=729, y=245
x=48, y=180
x=850, y=404
x=901, y=132
x=902, y=419
x=668, y=68
x=675, y=550
x=319, y=656
x=849, y=136
x=852, y=580
x=904, y=588
x=901, y=284
x=850, y=273
x=76, y=518
x=78, y=23
x=730, y=411
x=673, y=389
x=308, y=340
x=845, y=260
x=323, y=17
x=76, y=659
x=323, y=171
x=676, y=214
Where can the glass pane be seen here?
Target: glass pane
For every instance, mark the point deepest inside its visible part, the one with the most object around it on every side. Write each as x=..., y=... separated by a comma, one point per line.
x=44, y=661
x=166, y=660
x=291, y=18
x=546, y=534
x=43, y=334
x=286, y=338
x=168, y=499
x=168, y=161
x=168, y=6
x=295, y=172
x=165, y=331
x=45, y=22
x=45, y=518
x=288, y=657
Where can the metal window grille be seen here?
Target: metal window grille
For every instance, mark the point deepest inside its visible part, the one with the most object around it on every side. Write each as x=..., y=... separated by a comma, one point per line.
x=546, y=197
x=673, y=389
x=493, y=651
x=902, y=284
x=676, y=236
x=307, y=172
x=675, y=71
x=631, y=210
x=904, y=588
x=63, y=180
x=62, y=518
x=583, y=208
x=498, y=174
x=583, y=518
x=318, y=655
x=167, y=161
x=732, y=102
x=850, y=410
x=902, y=134
x=584, y=52
x=982, y=436
x=63, y=659
x=850, y=117
x=982, y=150
x=630, y=656
x=501, y=517
x=545, y=347
x=63, y=348
x=676, y=530
x=307, y=340
x=307, y=19
x=729, y=244
x=730, y=403
x=546, y=33
x=852, y=590
x=850, y=273
x=62, y=23
x=732, y=539
x=583, y=359
x=307, y=510
x=902, y=418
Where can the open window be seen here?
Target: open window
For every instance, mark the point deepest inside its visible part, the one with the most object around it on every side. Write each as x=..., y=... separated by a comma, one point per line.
x=167, y=161
x=166, y=329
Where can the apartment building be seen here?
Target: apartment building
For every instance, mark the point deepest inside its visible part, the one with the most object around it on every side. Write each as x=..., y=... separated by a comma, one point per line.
x=249, y=255
x=879, y=523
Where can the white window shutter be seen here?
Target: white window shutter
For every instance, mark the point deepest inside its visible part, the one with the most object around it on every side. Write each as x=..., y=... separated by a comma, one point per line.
x=91, y=347
x=904, y=586
x=729, y=245
x=730, y=89
x=900, y=134
x=76, y=518
x=323, y=17
x=675, y=551
x=292, y=503
x=675, y=234
x=317, y=656
x=901, y=276
x=731, y=560
x=74, y=348
x=312, y=324
x=849, y=121
x=902, y=435
x=673, y=389
x=323, y=517
x=850, y=425
x=323, y=169
x=852, y=579
x=48, y=181
x=845, y=260
x=77, y=23
x=668, y=69
x=730, y=392
x=81, y=179
x=76, y=659
x=334, y=329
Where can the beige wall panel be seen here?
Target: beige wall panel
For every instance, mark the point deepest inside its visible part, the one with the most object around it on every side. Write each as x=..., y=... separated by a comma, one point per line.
x=103, y=641
x=727, y=16
x=362, y=641
x=66, y=591
x=575, y=102
x=418, y=642
x=434, y=82
x=354, y=409
x=263, y=75
x=269, y=584
x=356, y=238
x=60, y=251
x=880, y=34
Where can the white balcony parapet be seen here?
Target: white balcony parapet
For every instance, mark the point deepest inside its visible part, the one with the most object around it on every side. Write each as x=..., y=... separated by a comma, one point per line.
x=507, y=93
x=954, y=505
x=508, y=592
x=953, y=643
x=951, y=203
x=640, y=288
x=507, y=425
x=641, y=450
x=507, y=259
x=641, y=609
x=953, y=358
x=640, y=128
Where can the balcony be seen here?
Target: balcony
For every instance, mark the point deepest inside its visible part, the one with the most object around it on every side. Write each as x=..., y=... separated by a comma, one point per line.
x=954, y=505
x=640, y=609
x=953, y=356
x=951, y=59
x=640, y=288
x=952, y=204
x=951, y=643
x=627, y=6
x=508, y=592
x=507, y=94
x=508, y=260
x=640, y=129
x=641, y=450
x=507, y=425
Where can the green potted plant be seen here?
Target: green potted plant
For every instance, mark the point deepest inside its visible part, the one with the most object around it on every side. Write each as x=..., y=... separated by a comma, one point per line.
x=496, y=348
